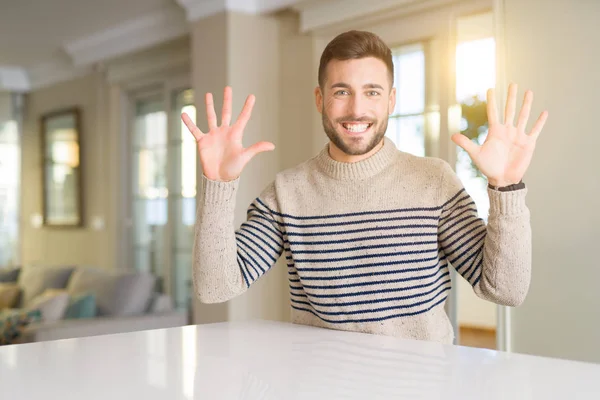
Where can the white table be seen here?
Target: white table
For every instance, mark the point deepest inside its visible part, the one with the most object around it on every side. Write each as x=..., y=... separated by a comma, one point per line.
x=268, y=360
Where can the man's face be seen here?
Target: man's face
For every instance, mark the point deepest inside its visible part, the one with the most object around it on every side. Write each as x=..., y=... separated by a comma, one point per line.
x=355, y=102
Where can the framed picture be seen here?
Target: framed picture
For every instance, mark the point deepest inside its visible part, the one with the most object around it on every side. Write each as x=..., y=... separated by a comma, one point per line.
x=61, y=152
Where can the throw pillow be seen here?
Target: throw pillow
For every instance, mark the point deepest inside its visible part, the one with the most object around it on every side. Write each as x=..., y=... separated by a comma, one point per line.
x=9, y=295
x=51, y=305
x=81, y=306
x=9, y=274
x=13, y=324
x=34, y=280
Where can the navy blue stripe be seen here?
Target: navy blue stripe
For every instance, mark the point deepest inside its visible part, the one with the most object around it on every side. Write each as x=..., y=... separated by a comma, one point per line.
x=456, y=223
x=255, y=251
x=243, y=272
x=375, y=229
x=349, y=294
x=279, y=233
x=372, y=247
x=380, y=309
x=458, y=231
x=478, y=238
x=248, y=263
x=451, y=216
x=365, y=221
x=466, y=262
x=478, y=278
x=248, y=224
x=478, y=265
x=460, y=192
x=352, y=258
x=355, y=214
x=380, y=300
x=463, y=235
x=374, y=319
x=254, y=262
x=369, y=283
x=360, y=239
x=451, y=211
x=268, y=227
x=357, y=266
x=278, y=252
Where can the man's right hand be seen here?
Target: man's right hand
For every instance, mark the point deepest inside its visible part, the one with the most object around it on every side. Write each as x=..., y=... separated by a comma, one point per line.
x=222, y=154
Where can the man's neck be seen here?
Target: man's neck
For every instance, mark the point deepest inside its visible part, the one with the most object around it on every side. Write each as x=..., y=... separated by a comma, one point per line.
x=339, y=155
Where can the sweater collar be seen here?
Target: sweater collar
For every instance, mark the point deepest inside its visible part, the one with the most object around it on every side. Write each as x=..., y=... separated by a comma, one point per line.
x=358, y=170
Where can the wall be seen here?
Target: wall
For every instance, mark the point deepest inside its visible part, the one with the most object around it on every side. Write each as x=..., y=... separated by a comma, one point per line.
x=69, y=246
x=556, y=54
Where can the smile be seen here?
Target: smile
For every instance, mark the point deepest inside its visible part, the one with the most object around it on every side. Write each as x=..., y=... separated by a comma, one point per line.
x=356, y=127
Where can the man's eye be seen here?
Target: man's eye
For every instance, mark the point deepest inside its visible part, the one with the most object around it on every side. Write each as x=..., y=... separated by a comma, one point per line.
x=341, y=92
x=373, y=93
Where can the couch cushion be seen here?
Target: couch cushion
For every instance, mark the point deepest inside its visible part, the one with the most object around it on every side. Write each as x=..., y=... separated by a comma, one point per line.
x=117, y=293
x=9, y=274
x=81, y=306
x=9, y=295
x=52, y=305
x=34, y=280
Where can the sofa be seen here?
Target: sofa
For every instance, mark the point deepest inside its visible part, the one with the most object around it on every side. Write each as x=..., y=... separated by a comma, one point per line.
x=39, y=303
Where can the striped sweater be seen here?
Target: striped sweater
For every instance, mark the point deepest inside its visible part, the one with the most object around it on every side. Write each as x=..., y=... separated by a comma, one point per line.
x=368, y=245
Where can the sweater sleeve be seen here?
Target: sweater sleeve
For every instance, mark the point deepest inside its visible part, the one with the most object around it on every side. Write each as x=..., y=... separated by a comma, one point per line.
x=226, y=260
x=494, y=258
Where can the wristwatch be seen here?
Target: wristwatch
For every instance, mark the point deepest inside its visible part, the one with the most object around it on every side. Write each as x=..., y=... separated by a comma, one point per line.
x=509, y=188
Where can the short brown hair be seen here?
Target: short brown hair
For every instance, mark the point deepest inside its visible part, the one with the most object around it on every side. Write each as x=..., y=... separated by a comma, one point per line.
x=354, y=45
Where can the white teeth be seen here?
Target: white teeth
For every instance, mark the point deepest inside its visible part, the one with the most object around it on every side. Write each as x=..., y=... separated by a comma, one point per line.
x=356, y=128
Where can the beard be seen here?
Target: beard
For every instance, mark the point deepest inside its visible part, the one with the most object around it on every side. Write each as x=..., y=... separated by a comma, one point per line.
x=354, y=146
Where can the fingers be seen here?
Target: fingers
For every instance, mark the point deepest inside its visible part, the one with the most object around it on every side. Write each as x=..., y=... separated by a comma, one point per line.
x=491, y=108
x=191, y=126
x=525, y=110
x=211, y=116
x=539, y=125
x=242, y=120
x=226, y=112
x=256, y=148
x=511, y=104
x=468, y=145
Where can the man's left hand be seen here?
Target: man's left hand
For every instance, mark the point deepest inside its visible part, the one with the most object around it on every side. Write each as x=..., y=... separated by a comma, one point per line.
x=507, y=151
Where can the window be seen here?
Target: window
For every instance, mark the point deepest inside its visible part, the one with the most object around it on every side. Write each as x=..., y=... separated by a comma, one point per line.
x=164, y=190
x=10, y=170
x=475, y=73
x=406, y=126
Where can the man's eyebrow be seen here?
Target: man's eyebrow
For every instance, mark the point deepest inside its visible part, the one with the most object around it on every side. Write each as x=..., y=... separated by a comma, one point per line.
x=366, y=86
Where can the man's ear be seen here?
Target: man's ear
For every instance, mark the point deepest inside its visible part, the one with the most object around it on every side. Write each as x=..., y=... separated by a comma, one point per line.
x=392, y=100
x=319, y=99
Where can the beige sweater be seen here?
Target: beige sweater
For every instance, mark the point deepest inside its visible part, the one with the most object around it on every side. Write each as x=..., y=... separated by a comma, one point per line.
x=368, y=245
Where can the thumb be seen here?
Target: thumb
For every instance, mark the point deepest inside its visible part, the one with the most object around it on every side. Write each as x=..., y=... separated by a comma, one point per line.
x=468, y=145
x=256, y=148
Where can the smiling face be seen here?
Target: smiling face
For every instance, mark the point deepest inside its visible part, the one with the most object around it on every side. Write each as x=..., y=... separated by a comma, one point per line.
x=355, y=100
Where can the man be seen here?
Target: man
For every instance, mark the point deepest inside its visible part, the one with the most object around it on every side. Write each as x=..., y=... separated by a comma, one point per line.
x=368, y=232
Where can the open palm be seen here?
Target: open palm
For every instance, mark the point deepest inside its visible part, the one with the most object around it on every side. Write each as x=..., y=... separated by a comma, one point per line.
x=507, y=151
x=222, y=154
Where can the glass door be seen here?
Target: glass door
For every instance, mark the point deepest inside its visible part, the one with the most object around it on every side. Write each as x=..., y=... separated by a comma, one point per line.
x=163, y=196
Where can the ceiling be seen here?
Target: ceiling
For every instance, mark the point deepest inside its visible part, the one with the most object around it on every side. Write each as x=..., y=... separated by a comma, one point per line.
x=34, y=31
x=45, y=41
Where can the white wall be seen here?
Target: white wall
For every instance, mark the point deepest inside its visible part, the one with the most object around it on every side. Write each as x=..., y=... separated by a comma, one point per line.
x=554, y=49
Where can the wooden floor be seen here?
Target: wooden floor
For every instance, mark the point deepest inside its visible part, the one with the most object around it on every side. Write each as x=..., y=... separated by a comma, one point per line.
x=478, y=337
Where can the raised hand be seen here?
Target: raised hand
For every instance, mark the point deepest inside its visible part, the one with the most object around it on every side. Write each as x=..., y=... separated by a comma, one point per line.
x=507, y=151
x=222, y=155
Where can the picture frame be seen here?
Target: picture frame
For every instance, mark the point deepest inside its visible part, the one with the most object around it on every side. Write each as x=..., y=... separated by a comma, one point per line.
x=61, y=165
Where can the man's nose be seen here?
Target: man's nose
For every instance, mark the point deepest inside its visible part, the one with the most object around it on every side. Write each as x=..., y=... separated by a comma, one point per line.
x=357, y=105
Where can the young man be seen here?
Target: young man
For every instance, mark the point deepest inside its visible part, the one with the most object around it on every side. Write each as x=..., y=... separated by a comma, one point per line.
x=368, y=232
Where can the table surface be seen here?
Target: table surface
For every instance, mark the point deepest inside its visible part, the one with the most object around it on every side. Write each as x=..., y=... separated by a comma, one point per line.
x=270, y=360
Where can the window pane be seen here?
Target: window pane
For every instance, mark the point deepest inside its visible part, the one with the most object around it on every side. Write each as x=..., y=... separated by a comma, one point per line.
x=409, y=79
x=150, y=124
x=475, y=73
x=10, y=166
x=408, y=134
